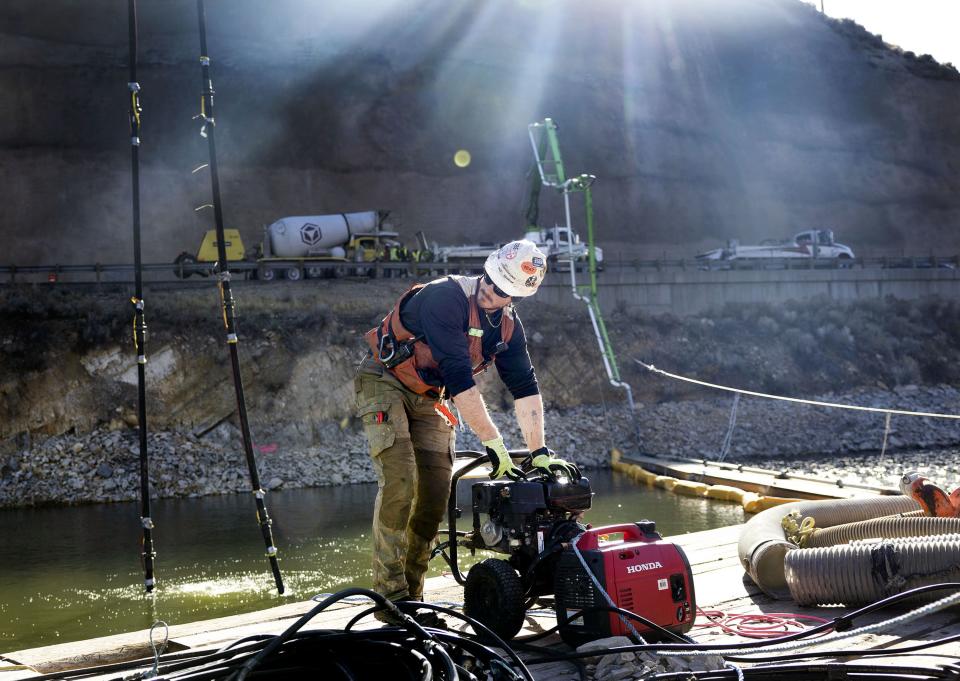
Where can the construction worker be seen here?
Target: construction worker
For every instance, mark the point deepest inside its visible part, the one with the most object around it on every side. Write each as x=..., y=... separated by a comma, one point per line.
x=423, y=354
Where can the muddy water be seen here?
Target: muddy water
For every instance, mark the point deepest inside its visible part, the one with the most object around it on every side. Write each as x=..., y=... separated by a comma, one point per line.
x=73, y=573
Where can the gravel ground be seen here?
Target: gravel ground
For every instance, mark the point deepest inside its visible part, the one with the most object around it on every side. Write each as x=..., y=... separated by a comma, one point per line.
x=103, y=465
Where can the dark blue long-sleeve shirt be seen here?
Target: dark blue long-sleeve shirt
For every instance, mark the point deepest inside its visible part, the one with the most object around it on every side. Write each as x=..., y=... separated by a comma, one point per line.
x=440, y=313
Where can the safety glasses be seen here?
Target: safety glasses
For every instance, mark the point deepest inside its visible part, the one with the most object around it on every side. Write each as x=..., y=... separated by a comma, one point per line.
x=496, y=289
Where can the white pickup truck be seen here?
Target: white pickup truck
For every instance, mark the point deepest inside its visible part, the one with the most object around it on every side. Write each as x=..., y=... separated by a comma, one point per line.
x=813, y=243
x=559, y=244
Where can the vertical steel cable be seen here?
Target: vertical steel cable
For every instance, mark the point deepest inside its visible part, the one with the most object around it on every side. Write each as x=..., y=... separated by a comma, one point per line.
x=139, y=322
x=226, y=297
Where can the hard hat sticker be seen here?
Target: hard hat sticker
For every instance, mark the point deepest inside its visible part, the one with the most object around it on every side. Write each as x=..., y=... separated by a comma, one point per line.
x=531, y=281
x=507, y=274
x=528, y=267
x=537, y=261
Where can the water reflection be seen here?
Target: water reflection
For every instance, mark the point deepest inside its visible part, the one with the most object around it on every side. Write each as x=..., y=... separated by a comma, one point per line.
x=72, y=573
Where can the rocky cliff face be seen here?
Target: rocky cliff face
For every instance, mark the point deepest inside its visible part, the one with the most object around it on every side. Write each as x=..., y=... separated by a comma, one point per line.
x=66, y=363
x=68, y=386
x=703, y=121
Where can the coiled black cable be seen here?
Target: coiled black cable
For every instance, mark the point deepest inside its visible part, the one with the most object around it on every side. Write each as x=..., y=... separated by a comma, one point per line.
x=444, y=655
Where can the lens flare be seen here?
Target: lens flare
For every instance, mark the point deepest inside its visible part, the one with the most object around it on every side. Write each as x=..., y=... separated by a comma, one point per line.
x=462, y=158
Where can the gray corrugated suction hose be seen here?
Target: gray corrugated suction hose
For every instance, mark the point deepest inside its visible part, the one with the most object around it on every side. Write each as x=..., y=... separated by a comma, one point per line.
x=862, y=573
x=881, y=528
x=763, y=546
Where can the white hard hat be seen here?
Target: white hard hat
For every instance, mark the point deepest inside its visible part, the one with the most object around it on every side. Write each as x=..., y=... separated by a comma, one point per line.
x=517, y=268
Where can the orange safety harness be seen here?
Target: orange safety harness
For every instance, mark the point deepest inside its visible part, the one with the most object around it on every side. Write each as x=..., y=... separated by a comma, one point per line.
x=409, y=358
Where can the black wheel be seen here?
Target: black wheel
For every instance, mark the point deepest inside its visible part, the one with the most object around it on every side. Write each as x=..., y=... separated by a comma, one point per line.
x=267, y=274
x=185, y=259
x=493, y=596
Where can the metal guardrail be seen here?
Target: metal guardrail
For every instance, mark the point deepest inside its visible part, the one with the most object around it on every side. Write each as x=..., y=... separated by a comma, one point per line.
x=883, y=262
x=121, y=273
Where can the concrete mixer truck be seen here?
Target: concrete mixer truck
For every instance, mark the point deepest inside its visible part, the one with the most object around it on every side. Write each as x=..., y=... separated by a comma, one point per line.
x=301, y=246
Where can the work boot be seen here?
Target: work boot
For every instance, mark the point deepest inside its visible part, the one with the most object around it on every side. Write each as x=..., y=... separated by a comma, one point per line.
x=427, y=618
x=430, y=619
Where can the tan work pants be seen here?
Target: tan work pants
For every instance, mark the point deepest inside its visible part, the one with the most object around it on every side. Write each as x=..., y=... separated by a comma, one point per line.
x=412, y=452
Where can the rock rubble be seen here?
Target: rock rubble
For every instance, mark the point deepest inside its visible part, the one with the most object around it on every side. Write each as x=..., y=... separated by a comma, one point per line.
x=103, y=465
x=630, y=665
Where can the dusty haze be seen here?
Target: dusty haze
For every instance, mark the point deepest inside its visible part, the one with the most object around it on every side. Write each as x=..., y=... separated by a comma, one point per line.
x=703, y=121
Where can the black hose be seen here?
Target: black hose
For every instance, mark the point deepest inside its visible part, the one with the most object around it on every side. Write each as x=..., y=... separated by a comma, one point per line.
x=275, y=643
x=226, y=297
x=666, y=633
x=478, y=627
x=828, y=672
x=438, y=650
x=147, y=552
x=840, y=623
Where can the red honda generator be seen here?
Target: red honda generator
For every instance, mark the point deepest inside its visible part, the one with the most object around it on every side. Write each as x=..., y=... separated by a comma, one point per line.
x=537, y=524
x=640, y=571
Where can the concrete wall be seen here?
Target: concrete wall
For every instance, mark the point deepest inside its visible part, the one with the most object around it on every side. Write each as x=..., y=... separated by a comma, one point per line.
x=686, y=292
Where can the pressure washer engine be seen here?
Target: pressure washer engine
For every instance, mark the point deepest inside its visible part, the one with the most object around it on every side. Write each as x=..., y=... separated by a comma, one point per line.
x=536, y=522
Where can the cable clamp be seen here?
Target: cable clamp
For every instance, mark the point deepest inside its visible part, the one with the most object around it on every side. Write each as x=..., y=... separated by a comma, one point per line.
x=224, y=275
x=259, y=493
x=204, y=60
x=271, y=552
x=231, y=338
x=134, y=86
x=141, y=359
x=149, y=583
x=147, y=522
x=206, y=119
x=137, y=303
x=135, y=141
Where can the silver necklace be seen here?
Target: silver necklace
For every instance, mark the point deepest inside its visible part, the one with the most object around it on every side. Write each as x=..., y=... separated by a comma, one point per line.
x=490, y=321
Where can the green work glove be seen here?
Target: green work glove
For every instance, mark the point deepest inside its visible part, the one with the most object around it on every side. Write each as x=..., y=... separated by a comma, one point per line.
x=543, y=460
x=501, y=461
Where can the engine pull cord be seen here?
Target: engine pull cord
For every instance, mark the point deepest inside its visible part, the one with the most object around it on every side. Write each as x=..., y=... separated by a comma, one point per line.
x=147, y=553
x=226, y=298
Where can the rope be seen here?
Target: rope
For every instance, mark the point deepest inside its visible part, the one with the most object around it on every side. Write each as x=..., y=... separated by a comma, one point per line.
x=155, y=670
x=728, y=438
x=886, y=432
x=627, y=623
x=757, y=625
x=816, y=403
x=876, y=627
x=798, y=529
